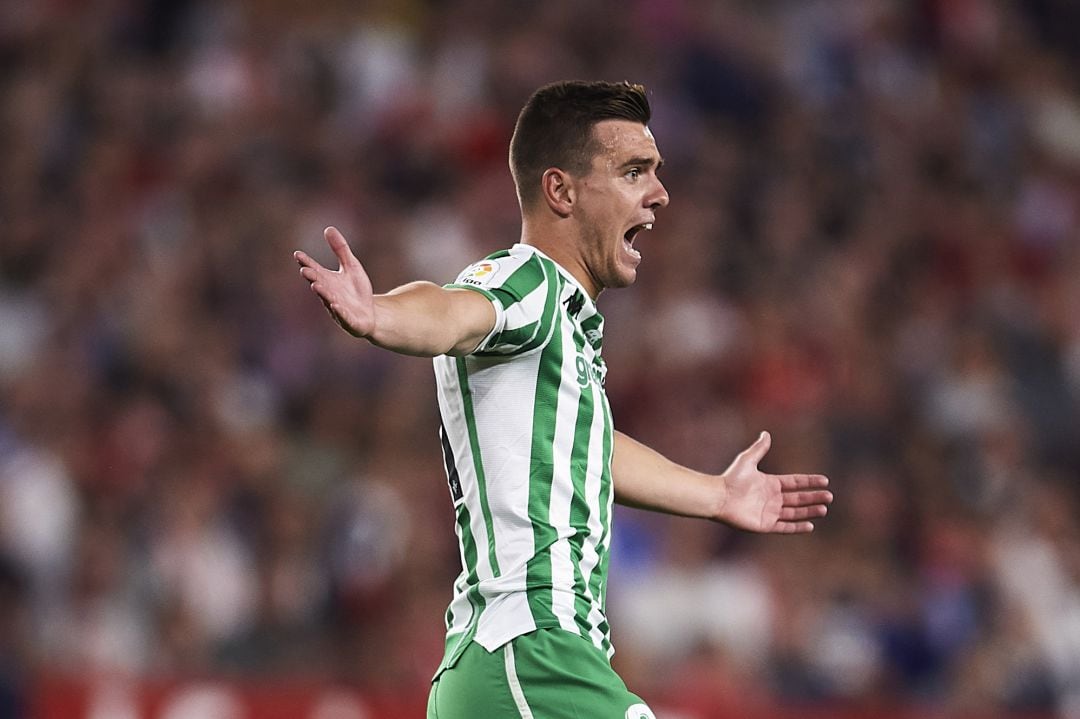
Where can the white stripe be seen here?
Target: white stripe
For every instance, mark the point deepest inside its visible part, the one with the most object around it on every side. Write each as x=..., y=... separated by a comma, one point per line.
x=506, y=431
x=460, y=613
x=530, y=309
x=507, y=616
x=537, y=311
x=507, y=428
x=452, y=406
x=562, y=484
x=611, y=519
x=590, y=557
x=515, y=685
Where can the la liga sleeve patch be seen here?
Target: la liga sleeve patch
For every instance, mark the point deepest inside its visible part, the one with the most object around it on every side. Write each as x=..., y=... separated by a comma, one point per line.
x=479, y=274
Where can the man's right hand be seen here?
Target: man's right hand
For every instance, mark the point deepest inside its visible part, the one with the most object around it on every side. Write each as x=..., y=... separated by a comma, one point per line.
x=418, y=318
x=346, y=292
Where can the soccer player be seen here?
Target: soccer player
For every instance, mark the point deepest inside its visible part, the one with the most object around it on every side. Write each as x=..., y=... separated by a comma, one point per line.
x=532, y=457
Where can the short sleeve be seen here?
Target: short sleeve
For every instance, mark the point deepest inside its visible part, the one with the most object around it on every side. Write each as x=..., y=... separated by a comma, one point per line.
x=523, y=292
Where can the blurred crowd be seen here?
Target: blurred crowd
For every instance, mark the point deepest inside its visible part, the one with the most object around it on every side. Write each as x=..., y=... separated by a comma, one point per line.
x=872, y=251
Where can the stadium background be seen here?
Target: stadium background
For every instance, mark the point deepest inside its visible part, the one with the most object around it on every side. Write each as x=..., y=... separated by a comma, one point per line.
x=214, y=504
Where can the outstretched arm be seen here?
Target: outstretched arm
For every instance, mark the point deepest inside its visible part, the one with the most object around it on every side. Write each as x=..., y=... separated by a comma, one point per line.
x=419, y=318
x=742, y=496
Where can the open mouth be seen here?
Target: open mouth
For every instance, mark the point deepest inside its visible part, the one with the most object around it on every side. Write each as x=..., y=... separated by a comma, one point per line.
x=628, y=237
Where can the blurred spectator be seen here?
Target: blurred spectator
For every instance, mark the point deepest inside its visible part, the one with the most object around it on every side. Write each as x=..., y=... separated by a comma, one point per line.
x=873, y=252
x=15, y=659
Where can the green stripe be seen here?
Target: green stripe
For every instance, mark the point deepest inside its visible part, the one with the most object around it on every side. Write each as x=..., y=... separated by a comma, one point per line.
x=551, y=309
x=478, y=464
x=593, y=322
x=509, y=340
x=541, y=468
x=596, y=322
x=476, y=600
x=468, y=543
x=461, y=641
x=520, y=335
x=523, y=280
x=579, y=505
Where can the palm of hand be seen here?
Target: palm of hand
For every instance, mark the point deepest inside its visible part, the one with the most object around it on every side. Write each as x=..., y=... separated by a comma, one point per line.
x=349, y=299
x=346, y=292
x=780, y=503
x=754, y=500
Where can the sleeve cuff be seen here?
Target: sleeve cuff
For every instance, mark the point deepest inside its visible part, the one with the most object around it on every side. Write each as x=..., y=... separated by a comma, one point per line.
x=500, y=313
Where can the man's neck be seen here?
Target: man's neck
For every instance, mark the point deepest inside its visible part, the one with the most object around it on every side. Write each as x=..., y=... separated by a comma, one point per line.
x=561, y=246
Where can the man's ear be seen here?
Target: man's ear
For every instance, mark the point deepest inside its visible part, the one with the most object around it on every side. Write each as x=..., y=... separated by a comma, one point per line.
x=557, y=187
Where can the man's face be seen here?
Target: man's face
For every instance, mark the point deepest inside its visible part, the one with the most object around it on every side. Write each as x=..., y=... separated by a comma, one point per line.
x=617, y=199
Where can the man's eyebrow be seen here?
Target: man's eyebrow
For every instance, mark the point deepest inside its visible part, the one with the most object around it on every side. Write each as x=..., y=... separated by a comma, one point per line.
x=643, y=162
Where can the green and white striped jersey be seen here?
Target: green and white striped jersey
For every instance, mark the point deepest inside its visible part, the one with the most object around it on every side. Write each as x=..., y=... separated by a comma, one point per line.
x=527, y=439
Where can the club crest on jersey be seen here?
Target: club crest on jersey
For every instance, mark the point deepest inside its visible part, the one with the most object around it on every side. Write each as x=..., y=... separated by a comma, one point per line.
x=480, y=273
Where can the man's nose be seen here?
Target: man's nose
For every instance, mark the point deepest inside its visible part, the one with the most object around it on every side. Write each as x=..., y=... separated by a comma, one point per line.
x=659, y=197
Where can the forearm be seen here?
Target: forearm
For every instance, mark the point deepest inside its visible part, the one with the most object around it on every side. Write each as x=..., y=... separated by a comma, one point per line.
x=426, y=320
x=646, y=479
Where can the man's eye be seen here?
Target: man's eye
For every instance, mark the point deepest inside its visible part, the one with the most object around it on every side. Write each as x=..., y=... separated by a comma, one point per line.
x=634, y=174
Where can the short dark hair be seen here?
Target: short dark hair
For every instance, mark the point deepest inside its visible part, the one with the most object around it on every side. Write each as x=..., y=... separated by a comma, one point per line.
x=555, y=128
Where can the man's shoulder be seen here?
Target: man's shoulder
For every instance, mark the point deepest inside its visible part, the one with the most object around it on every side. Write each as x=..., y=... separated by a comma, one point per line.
x=517, y=255
x=519, y=269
